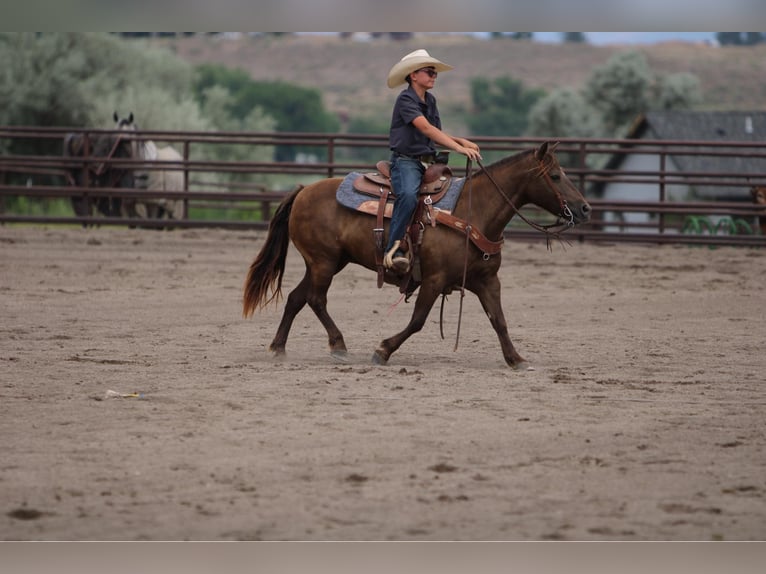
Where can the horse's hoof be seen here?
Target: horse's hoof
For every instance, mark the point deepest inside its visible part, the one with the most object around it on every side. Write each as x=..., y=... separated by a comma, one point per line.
x=341, y=356
x=523, y=366
x=377, y=359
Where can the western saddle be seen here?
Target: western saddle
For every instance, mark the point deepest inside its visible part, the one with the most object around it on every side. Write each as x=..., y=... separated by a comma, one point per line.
x=436, y=182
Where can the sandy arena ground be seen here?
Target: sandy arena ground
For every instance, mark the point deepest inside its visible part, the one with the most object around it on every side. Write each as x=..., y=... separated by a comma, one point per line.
x=643, y=419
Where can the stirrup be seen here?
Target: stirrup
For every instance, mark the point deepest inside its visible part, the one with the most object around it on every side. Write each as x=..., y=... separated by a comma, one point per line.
x=399, y=265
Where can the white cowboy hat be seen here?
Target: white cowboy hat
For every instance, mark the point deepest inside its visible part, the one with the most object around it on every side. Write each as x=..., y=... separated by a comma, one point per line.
x=411, y=62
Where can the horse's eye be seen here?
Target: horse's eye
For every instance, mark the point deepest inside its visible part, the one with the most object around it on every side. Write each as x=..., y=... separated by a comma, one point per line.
x=556, y=176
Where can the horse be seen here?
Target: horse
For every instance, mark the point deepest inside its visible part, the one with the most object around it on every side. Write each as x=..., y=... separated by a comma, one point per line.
x=103, y=147
x=153, y=179
x=329, y=236
x=758, y=192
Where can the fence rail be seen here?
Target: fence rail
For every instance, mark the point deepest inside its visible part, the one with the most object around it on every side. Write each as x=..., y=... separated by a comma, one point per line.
x=210, y=181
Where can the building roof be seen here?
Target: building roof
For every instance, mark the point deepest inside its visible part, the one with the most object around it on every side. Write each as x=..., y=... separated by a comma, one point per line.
x=739, y=126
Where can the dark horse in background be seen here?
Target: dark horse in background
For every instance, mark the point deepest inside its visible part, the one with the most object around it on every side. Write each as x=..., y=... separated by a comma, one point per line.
x=102, y=149
x=329, y=236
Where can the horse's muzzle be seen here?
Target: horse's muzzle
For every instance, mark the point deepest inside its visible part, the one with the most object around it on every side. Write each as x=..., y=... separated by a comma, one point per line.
x=581, y=213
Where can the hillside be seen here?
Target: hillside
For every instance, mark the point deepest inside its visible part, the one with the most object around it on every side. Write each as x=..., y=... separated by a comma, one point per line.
x=351, y=74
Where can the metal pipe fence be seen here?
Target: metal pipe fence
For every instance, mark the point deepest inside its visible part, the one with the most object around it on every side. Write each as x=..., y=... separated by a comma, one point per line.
x=211, y=181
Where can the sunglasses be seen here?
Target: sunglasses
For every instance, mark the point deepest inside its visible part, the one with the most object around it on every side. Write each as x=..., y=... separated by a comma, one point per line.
x=430, y=71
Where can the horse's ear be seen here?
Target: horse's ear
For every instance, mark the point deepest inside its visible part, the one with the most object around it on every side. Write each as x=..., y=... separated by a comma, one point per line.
x=553, y=146
x=541, y=151
x=130, y=118
x=115, y=116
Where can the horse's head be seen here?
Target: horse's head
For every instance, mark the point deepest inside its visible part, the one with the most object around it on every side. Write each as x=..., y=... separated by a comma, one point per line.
x=556, y=193
x=124, y=123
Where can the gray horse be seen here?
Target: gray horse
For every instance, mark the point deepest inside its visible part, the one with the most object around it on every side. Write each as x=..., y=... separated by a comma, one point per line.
x=153, y=179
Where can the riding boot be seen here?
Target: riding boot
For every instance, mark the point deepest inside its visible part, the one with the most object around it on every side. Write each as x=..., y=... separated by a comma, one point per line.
x=396, y=261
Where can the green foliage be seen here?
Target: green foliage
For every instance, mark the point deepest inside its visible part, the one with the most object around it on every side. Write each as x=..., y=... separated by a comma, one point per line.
x=294, y=108
x=613, y=97
x=574, y=38
x=216, y=105
x=702, y=225
x=676, y=92
x=371, y=126
x=620, y=89
x=500, y=108
x=513, y=35
x=565, y=112
x=80, y=79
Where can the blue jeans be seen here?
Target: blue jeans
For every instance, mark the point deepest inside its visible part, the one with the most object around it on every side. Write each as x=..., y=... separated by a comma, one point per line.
x=406, y=176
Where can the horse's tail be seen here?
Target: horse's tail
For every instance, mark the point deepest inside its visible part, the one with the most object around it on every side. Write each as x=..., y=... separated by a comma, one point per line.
x=267, y=270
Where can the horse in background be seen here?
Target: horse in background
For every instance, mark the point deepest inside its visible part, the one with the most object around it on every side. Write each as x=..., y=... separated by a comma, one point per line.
x=106, y=148
x=153, y=179
x=758, y=192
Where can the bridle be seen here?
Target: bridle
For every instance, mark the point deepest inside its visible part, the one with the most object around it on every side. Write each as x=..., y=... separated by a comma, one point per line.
x=565, y=217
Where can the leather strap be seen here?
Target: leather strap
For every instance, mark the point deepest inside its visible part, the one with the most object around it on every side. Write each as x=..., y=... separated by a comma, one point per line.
x=378, y=234
x=487, y=246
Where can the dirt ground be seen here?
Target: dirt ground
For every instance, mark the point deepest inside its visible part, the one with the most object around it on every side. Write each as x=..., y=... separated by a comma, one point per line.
x=643, y=419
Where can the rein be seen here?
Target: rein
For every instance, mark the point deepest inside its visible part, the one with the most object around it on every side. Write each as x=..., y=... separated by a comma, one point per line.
x=469, y=183
x=565, y=211
x=547, y=229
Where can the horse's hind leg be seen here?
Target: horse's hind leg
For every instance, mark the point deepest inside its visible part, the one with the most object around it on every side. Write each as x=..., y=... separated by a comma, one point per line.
x=295, y=302
x=317, y=300
x=488, y=292
x=313, y=292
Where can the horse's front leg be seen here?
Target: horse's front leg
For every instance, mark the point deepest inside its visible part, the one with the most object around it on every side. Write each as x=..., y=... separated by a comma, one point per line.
x=423, y=304
x=488, y=292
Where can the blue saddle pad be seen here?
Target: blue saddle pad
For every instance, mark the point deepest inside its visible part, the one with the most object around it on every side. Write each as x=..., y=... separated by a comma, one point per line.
x=351, y=198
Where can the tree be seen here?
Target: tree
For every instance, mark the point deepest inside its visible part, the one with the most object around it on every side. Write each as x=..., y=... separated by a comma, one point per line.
x=620, y=89
x=676, y=92
x=500, y=108
x=615, y=95
x=574, y=38
x=367, y=125
x=565, y=113
x=739, y=38
x=81, y=79
x=513, y=35
x=294, y=108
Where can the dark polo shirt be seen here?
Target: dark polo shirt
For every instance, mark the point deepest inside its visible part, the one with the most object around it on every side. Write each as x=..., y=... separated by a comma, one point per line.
x=405, y=138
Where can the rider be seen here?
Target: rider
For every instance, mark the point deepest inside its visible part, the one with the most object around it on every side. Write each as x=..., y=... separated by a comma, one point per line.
x=415, y=128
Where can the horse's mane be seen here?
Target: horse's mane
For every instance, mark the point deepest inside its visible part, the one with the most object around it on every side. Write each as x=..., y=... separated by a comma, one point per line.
x=510, y=160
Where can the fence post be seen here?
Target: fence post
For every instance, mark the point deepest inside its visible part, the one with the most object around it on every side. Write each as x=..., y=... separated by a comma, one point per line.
x=662, y=190
x=185, y=214
x=330, y=156
x=86, y=171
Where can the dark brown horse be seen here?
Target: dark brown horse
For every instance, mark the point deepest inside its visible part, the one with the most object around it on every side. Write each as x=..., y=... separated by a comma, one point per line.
x=102, y=149
x=330, y=236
